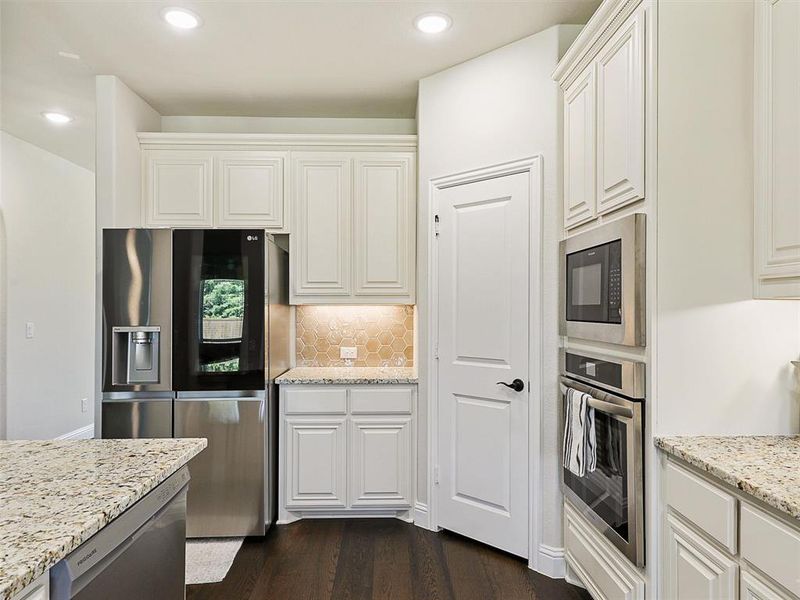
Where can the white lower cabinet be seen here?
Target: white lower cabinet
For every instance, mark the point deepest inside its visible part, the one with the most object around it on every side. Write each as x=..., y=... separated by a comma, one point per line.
x=605, y=572
x=694, y=569
x=701, y=559
x=316, y=449
x=380, y=454
x=346, y=450
x=754, y=587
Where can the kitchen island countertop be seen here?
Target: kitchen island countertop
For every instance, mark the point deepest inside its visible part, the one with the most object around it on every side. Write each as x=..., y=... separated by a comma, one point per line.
x=765, y=467
x=348, y=375
x=56, y=494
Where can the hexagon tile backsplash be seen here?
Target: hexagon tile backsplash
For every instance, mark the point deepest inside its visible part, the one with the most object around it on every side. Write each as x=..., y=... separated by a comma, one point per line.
x=383, y=335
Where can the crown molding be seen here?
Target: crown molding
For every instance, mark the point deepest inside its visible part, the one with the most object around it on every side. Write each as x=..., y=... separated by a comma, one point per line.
x=603, y=24
x=267, y=140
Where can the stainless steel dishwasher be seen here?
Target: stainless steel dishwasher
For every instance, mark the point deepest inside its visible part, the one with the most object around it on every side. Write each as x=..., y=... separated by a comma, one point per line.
x=139, y=555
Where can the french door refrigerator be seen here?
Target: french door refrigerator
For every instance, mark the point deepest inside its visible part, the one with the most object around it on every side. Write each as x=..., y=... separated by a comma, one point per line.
x=220, y=343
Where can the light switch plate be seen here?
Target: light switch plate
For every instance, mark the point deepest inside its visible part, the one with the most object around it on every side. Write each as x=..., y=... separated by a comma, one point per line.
x=29, y=330
x=348, y=352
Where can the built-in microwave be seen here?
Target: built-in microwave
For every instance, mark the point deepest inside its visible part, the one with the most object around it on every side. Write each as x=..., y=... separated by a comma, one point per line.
x=602, y=284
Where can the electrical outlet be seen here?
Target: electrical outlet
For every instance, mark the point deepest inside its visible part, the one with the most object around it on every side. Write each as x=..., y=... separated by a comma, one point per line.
x=29, y=330
x=84, y=404
x=348, y=352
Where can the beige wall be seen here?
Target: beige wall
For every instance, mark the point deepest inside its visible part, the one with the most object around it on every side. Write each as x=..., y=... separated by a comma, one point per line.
x=190, y=124
x=500, y=107
x=723, y=359
x=47, y=208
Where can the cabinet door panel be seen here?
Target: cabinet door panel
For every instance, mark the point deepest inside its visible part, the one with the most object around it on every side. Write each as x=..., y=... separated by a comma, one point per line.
x=620, y=117
x=321, y=244
x=384, y=225
x=777, y=147
x=579, y=150
x=178, y=188
x=380, y=462
x=316, y=463
x=696, y=570
x=755, y=587
x=250, y=190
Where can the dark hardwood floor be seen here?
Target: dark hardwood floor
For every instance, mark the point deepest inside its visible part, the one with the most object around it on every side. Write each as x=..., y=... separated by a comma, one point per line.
x=361, y=559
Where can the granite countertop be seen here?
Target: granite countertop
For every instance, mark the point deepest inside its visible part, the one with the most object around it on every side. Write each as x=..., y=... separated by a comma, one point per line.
x=55, y=494
x=765, y=467
x=349, y=375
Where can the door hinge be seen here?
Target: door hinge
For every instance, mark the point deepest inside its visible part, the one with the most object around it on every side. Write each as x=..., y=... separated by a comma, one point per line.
x=436, y=475
x=436, y=225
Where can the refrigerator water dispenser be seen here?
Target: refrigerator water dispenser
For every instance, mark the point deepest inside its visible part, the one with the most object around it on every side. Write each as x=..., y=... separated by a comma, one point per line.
x=135, y=355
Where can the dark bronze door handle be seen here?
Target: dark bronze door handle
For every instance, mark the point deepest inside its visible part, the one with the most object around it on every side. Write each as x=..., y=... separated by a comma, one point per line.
x=517, y=385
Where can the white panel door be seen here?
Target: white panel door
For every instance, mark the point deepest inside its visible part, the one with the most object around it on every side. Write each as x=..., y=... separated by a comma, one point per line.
x=250, y=189
x=321, y=244
x=385, y=207
x=694, y=569
x=777, y=152
x=579, y=150
x=178, y=188
x=483, y=339
x=380, y=461
x=620, y=117
x=316, y=462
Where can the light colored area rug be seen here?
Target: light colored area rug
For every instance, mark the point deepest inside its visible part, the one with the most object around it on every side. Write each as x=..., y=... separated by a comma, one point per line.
x=208, y=559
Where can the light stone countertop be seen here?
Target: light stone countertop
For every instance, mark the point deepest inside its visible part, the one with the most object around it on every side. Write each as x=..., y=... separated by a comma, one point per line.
x=56, y=494
x=765, y=467
x=348, y=375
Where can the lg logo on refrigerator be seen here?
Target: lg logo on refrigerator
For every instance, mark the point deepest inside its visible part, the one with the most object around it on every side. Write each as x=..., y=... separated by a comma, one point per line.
x=252, y=238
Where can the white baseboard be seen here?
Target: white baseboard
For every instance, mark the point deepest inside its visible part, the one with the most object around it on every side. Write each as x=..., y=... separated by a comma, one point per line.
x=84, y=433
x=422, y=517
x=550, y=562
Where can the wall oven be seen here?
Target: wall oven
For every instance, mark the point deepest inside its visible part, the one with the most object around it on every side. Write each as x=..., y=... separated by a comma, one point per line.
x=612, y=496
x=603, y=283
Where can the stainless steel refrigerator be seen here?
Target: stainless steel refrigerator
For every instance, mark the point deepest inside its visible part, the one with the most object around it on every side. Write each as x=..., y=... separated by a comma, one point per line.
x=228, y=323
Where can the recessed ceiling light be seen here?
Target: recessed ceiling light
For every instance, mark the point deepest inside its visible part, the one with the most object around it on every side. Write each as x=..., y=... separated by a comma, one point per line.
x=70, y=55
x=57, y=117
x=181, y=18
x=433, y=23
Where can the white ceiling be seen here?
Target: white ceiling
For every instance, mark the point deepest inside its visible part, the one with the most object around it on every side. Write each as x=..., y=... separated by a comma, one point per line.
x=330, y=58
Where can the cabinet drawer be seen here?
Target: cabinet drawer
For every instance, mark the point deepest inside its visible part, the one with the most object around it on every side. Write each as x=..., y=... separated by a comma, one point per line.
x=599, y=568
x=710, y=508
x=772, y=546
x=332, y=401
x=381, y=401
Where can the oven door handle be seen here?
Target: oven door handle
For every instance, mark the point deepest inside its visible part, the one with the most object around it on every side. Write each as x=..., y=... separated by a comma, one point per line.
x=606, y=407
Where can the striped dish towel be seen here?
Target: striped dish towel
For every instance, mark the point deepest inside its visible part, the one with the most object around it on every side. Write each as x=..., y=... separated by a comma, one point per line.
x=580, y=444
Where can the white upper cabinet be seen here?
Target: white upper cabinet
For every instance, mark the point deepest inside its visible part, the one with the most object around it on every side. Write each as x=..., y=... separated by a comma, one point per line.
x=203, y=188
x=354, y=228
x=777, y=148
x=579, y=150
x=620, y=117
x=384, y=234
x=320, y=253
x=178, y=189
x=251, y=189
x=348, y=202
x=604, y=124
